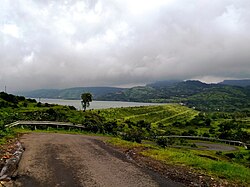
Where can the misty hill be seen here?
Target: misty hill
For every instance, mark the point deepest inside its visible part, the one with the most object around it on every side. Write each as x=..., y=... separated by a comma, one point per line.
x=70, y=93
x=196, y=94
x=163, y=92
x=202, y=96
x=243, y=83
x=165, y=83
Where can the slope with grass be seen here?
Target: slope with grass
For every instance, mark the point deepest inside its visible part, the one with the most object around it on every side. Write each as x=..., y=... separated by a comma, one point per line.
x=209, y=167
x=165, y=114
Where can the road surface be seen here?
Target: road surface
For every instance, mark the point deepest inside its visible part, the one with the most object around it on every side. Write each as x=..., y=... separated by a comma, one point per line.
x=79, y=160
x=215, y=146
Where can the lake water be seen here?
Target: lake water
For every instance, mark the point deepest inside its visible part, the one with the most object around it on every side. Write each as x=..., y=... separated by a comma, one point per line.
x=95, y=104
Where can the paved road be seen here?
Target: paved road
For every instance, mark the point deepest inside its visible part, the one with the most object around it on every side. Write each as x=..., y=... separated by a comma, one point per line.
x=77, y=160
x=215, y=146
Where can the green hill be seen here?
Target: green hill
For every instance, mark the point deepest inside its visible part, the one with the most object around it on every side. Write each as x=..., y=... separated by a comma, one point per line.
x=160, y=114
x=205, y=97
x=195, y=94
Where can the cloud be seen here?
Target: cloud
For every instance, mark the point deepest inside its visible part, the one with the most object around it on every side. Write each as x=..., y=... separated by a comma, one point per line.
x=58, y=44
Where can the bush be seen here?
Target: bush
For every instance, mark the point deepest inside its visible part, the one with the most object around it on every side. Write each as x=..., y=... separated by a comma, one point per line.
x=110, y=127
x=2, y=127
x=164, y=142
x=206, y=134
x=218, y=153
x=72, y=108
x=189, y=133
x=25, y=104
x=133, y=135
x=92, y=127
x=9, y=97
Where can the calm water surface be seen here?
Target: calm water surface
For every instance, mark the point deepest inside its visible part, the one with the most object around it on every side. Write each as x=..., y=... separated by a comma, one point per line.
x=95, y=104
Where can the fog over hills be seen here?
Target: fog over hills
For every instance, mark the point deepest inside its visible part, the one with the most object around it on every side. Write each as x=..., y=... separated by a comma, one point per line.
x=244, y=83
x=193, y=93
x=70, y=93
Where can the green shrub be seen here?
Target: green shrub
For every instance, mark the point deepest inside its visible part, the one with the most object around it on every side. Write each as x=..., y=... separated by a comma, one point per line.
x=133, y=135
x=164, y=142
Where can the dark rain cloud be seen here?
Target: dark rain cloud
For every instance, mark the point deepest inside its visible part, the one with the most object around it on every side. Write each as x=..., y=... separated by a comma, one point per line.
x=57, y=44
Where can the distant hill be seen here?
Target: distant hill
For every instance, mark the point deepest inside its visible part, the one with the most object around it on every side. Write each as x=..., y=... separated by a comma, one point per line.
x=162, y=84
x=202, y=96
x=192, y=93
x=242, y=83
x=159, y=92
x=70, y=93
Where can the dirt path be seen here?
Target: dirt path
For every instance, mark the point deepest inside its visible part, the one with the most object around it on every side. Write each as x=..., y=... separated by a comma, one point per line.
x=77, y=160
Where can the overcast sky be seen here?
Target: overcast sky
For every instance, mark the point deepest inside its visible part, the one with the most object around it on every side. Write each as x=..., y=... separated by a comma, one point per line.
x=60, y=44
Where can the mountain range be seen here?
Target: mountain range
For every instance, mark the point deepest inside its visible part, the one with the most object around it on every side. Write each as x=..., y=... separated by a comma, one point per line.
x=70, y=93
x=230, y=95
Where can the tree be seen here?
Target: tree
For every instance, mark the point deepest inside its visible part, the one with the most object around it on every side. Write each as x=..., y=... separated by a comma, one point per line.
x=86, y=99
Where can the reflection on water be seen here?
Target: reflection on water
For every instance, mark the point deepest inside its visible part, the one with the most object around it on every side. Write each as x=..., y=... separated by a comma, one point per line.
x=95, y=104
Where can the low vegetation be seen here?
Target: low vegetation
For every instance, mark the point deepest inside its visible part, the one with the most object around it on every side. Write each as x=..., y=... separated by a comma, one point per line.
x=135, y=125
x=215, y=164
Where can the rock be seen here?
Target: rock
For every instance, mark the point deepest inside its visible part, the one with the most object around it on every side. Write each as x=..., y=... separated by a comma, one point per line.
x=12, y=162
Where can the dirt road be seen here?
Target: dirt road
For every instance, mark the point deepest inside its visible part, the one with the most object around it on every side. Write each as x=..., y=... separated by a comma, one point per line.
x=77, y=160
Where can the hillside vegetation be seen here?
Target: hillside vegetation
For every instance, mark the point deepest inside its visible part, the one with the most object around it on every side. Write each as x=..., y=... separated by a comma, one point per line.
x=70, y=93
x=161, y=115
x=142, y=122
x=148, y=124
x=229, y=96
x=201, y=96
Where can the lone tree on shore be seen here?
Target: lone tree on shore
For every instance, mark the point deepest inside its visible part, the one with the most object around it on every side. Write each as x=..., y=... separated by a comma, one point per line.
x=86, y=99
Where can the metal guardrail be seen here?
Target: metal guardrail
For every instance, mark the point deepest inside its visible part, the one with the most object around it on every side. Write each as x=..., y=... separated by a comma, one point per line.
x=44, y=123
x=245, y=145
x=70, y=125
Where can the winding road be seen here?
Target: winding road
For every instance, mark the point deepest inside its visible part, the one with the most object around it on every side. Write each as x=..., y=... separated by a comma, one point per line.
x=52, y=159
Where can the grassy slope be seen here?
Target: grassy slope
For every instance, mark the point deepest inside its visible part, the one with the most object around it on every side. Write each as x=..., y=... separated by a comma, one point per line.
x=165, y=114
x=208, y=162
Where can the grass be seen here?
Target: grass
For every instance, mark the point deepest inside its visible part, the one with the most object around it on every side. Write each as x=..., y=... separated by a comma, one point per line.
x=124, y=144
x=204, y=161
x=165, y=114
x=223, y=169
x=5, y=136
x=63, y=131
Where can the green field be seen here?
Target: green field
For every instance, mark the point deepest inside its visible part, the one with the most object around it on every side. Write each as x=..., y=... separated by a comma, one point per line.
x=164, y=114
